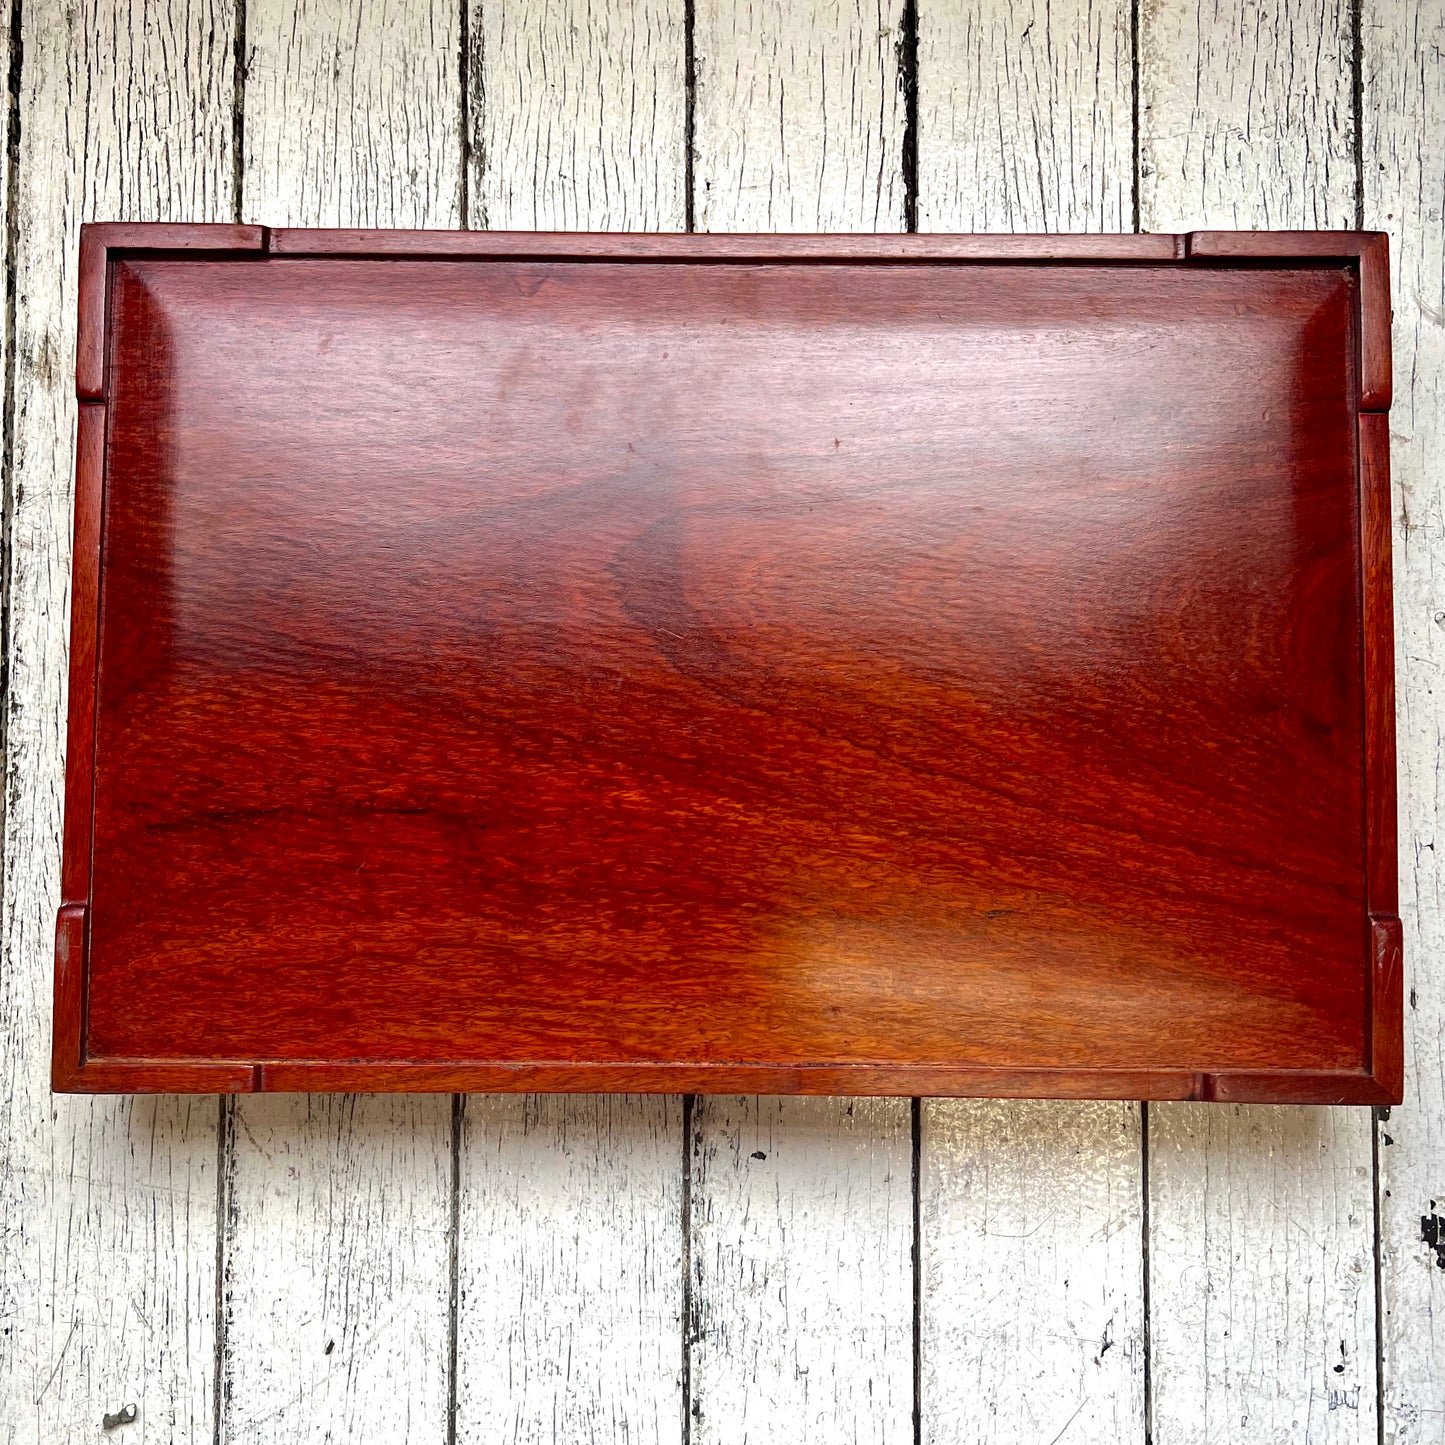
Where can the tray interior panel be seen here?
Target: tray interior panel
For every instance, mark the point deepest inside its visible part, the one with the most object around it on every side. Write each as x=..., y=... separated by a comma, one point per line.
x=881, y=662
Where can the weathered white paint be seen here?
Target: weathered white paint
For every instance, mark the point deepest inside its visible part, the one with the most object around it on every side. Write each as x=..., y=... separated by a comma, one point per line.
x=337, y=1276
x=578, y=114
x=1261, y=1242
x=353, y=113
x=1263, y=1289
x=1404, y=107
x=337, y=1285
x=571, y=1270
x=107, y=1206
x=799, y=116
x=1246, y=114
x=801, y=1270
x=569, y=1247
x=1033, y=1299
x=801, y=1209
x=1025, y=116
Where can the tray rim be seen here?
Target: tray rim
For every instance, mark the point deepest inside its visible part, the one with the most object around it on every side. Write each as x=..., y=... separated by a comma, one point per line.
x=1379, y=1080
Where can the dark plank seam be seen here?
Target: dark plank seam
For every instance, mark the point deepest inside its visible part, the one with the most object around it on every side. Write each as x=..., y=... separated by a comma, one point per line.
x=221, y=1390
x=7, y=412
x=907, y=50
x=689, y=115
x=1134, y=110
x=464, y=66
x=689, y=1335
x=454, y=1222
x=1144, y=1271
x=238, y=113
x=916, y=1120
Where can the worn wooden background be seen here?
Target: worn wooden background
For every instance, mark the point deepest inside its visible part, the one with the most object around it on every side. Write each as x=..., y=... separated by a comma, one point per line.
x=361, y=1269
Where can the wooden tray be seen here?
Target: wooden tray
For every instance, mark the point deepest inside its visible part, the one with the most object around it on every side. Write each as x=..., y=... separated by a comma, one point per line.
x=878, y=664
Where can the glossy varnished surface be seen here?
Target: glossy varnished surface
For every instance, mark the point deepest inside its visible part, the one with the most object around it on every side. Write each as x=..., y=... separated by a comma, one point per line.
x=906, y=666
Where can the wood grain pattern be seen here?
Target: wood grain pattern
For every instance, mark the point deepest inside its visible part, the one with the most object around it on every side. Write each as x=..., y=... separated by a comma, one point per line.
x=802, y=1286
x=1032, y=1286
x=1261, y=1256
x=570, y=1276
x=1025, y=117
x=570, y=1215
x=737, y=246
x=579, y=115
x=107, y=1207
x=798, y=116
x=340, y=1208
x=1246, y=120
x=1404, y=172
x=1029, y=1216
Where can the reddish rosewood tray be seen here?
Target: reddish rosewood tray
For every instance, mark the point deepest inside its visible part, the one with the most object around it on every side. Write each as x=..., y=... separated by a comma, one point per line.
x=928, y=664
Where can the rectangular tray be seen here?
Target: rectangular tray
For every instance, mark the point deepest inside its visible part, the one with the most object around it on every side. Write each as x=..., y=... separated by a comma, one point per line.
x=858, y=664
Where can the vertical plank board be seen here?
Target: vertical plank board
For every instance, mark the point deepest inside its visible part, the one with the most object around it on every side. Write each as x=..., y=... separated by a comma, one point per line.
x=1264, y=1292
x=107, y=1206
x=1246, y=114
x=337, y=1269
x=800, y=1254
x=1025, y=117
x=353, y=113
x=1403, y=44
x=798, y=116
x=337, y=1287
x=579, y=115
x=801, y=1251
x=570, y=1270
x=1032, y=1288
x=1032, y=1298
x=570, y=1240
x=1261, y=1249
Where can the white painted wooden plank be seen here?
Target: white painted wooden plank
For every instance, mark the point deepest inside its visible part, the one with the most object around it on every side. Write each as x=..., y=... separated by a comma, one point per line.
x=570, y=1270
x=1032, y=1299
x=579, y=115
x=339, y=1208
x=337, y=1269
x=570, y=1243
x=1261, y=1244
x=798, y=116
x=353, y=113
x=1403, y=43
x=1246, y=114
x=801, y=1209
x=107, y=1206
x=1033, y=1277
x=802, y=1276
x=1263, y=1298
x=1025, y=116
